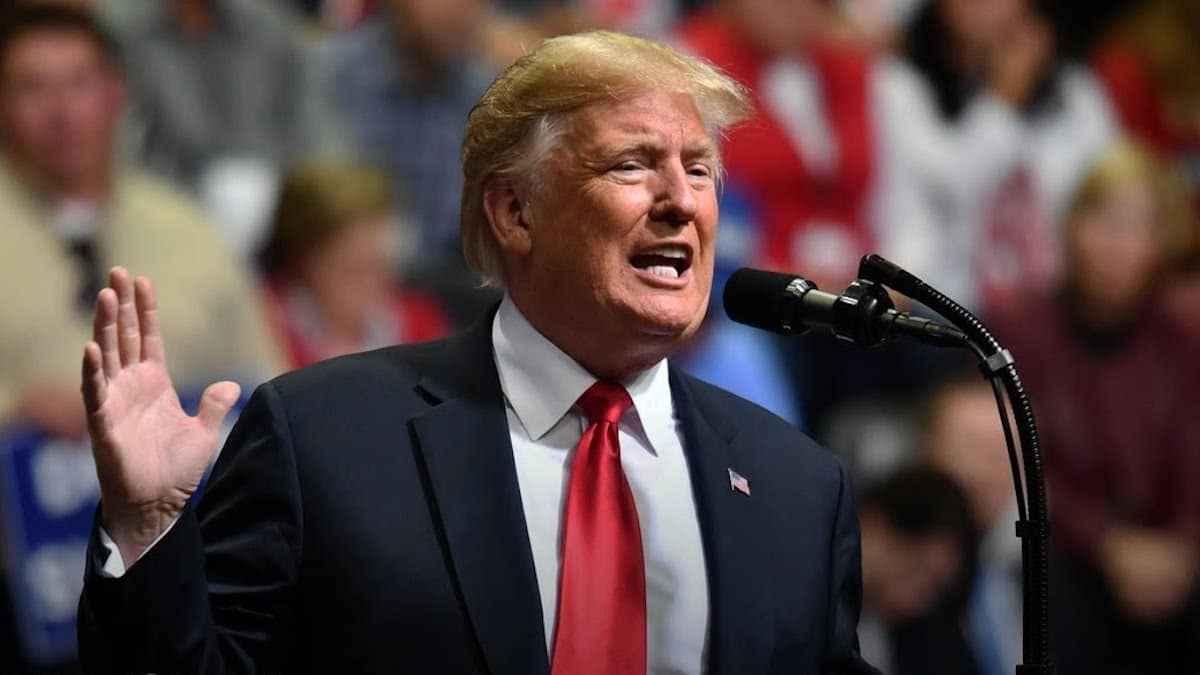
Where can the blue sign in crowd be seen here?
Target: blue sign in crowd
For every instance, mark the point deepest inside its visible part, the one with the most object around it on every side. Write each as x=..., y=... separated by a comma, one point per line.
x=48, y=498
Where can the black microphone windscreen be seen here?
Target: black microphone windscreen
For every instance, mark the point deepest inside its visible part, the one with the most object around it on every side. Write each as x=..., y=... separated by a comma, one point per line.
x=755, y=298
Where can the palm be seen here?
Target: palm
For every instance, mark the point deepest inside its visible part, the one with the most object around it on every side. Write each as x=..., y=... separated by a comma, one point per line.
x=155, y=446
x=150, y=454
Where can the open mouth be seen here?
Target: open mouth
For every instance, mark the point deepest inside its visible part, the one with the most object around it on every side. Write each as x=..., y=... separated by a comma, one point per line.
x=669, y=261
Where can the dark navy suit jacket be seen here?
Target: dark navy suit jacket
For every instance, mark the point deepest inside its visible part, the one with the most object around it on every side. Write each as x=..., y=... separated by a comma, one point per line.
x=364, y=516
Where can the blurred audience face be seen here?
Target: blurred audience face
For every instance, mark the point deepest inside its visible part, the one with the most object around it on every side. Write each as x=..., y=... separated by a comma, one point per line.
x=436, y=32
x=903, y=574
x=1115, y=248
x=980, y=23
x=964, y=440
x=60, y=100
x=778, y=26
x=350, y=274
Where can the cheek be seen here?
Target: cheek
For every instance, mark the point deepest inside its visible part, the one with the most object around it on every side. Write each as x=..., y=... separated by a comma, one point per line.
x=29, y=118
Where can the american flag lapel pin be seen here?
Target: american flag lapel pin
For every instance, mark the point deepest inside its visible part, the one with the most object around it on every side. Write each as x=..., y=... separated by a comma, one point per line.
x=739, y=483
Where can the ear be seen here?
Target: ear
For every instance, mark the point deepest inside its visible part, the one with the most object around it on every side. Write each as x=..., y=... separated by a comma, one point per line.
x=508, y=215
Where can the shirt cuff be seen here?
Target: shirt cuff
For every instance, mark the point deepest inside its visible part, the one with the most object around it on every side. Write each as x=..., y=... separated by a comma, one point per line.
x=114, y=565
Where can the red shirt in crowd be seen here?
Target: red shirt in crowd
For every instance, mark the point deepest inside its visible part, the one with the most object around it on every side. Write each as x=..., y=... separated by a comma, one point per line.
x=813, y=218
x=409, y=317
x=1142, y=109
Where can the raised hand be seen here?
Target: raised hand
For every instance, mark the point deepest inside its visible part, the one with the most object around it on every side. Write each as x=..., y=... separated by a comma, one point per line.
x=150, y=454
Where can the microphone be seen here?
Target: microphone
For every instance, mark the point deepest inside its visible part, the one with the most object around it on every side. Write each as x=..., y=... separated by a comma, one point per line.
x=862, y=314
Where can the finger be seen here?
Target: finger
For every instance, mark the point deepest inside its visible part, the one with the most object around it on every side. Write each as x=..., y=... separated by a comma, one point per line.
x=216, y=402
x=104, y=331
x=147, y=311
x=95, y=385
x=129, y=338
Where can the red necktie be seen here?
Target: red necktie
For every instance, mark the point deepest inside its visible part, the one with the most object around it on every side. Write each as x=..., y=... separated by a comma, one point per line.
x=602, y=588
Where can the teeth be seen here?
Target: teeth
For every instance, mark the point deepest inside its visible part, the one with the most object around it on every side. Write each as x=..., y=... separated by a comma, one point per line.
x=668, y=252
x=663, y=271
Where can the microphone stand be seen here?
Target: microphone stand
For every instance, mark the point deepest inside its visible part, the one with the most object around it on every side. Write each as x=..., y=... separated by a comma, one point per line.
x=999, y=368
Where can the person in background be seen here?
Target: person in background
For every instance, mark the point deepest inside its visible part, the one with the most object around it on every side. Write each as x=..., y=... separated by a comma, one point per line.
x=807, y=163
x=336, y=14
x=214, y=80
x=1113, y=377
x=1148, y=65
x=330, y=262
x=403, y=84
x=962, y=437
x=876, y=24
x=732, y=356
x=917, y=544
x=988, y=131
x=69, y=208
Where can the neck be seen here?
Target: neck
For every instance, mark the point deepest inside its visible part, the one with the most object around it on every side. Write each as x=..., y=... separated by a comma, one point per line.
x=89, y=186
x=970, y=61
x=1102, y=314
x=92, y=189
x=194, y=17
x=421, y=67
x=345, y=330
x=608, y=355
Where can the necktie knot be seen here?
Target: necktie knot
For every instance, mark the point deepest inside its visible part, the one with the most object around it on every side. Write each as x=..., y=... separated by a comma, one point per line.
x=605, y=401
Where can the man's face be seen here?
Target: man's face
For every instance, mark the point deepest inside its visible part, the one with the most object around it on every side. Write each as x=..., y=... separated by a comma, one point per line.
x=965, y=442
x=1116, y=247
x=980, y=24
x=623, y=225
x=59, y=104
x=440, y=31
x=904, y=575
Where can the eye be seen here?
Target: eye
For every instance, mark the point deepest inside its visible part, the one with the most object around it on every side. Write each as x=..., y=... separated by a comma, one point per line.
x=700, y=171
x=627, y=166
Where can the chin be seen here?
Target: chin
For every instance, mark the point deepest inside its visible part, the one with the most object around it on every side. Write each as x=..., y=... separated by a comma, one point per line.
x=671, y=320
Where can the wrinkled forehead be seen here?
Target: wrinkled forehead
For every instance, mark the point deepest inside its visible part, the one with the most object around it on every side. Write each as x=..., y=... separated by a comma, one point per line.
x=667, y=121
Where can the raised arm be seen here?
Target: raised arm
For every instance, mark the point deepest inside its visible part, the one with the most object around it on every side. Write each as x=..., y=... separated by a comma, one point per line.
x=214, y=593
x=150, y=455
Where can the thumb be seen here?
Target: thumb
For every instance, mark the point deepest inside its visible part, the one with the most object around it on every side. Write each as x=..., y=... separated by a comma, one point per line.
x=216, y=402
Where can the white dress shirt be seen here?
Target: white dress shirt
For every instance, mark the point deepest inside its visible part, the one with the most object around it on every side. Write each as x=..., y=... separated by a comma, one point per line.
x=541, y=385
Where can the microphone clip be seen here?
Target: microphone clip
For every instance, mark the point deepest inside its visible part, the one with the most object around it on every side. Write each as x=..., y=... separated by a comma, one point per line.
x=858, y=311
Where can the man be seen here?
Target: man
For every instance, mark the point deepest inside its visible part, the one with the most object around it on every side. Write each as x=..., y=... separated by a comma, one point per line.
x=917, y=546
x=216, y=81
x=962, y=439
x=69, y=210
x=403, y=83
x=542, y=494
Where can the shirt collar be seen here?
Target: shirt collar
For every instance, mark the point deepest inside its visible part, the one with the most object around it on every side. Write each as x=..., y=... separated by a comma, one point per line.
x=542, y=383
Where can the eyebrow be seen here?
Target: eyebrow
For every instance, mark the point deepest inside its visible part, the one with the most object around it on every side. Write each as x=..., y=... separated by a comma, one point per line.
x=700, y=150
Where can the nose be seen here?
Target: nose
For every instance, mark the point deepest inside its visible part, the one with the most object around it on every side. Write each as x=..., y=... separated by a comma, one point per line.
x=675, y=202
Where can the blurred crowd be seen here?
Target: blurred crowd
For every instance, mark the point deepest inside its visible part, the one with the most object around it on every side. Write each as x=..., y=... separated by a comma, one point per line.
x=287, y=172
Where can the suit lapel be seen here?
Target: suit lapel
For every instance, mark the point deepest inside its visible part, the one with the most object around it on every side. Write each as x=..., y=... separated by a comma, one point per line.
x=464, y=443
x=742, y=620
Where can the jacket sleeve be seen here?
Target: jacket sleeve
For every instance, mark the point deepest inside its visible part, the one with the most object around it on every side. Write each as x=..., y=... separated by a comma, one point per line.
x=845, y=589
x=216, y=594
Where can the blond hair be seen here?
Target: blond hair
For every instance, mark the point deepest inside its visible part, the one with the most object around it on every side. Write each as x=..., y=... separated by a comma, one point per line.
x=520, y=118
x=318, y=200
x=1126, y=161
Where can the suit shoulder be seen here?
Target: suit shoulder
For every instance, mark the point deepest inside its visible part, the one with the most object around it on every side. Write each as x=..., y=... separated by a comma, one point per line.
x=736, y=411
x=748, y=419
